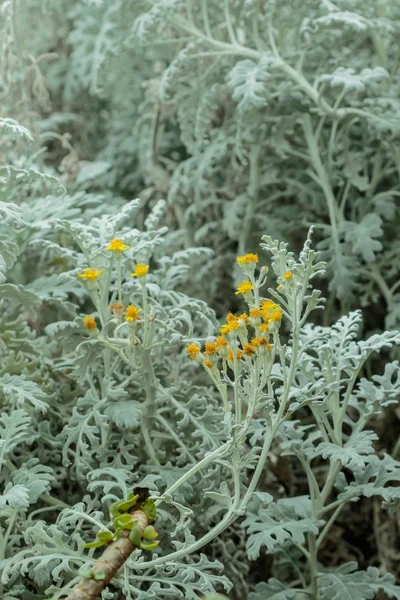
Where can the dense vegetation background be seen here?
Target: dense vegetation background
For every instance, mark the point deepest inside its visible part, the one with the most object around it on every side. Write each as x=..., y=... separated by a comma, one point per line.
x=248, y=117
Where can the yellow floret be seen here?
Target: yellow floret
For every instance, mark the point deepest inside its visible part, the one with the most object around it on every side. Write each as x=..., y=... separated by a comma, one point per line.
x=244, y=288
x=247, y=258
x=211, y=347
x=140, y=270
x=89, y=322
x=117, y=245
x=248, y=349
x=193, y=350
x=132, y=313
x=90, y=274
x=221, y=342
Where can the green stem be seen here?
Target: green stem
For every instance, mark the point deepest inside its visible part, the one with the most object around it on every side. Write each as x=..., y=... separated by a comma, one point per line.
x=312, y=546
x=329, y=524
x=253, y=197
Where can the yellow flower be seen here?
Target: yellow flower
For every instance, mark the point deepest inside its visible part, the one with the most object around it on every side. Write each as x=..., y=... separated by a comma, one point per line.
x=255, y=312
x=140, y=270
x=211, y=347
x=132, y=313
x=248, y=349
x=208, y=364
x=256, y=342
x=244, y=288
x=276, y=315
x=90, y=274
x=246, y=259
x=263, y=327
x=270, y=311
x=221, y=342
x=89, y=322
x=231, y=325
x=117, y=245
x=244, y=318
x=288, y=275
x=193, y=350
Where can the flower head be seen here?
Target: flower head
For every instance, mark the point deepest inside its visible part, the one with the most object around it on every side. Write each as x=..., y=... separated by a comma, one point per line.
x=89, y=322
x=211, y=347
x=264, y=328
x=243, y=319
x=231, y=325
x=271, y=312
x=221, y=342
x=140, y=270
x=245, y=287
x=256, y=342
x=132, y=313
x=288, y=275
x=90, y=274
x=117, y=309
x=248, y=349
x=208, y=364
x=193, y=350
x=117, y=245
x=246, y=259
x=254, y=313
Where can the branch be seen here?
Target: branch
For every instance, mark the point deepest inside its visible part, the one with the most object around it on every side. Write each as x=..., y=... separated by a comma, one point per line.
x=107, y=566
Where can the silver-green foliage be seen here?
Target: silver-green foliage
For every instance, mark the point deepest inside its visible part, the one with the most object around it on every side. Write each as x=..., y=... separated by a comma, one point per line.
x=244, y=118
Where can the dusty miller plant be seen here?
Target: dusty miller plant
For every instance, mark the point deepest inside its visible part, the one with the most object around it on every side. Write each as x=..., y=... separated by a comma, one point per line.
x=99, y=397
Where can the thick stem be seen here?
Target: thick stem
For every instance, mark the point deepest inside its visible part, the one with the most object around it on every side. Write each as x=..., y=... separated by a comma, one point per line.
x=107, y=566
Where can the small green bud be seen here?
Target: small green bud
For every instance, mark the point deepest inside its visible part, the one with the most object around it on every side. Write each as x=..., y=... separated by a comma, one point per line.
x=99, y=575
x=149, y=509
x=86, y=574
x=150, y=533
x=149, y=545
x=135, y=536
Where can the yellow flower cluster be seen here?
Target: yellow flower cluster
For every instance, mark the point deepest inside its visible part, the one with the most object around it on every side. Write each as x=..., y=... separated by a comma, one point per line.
x=268, y=312
x=235, y=343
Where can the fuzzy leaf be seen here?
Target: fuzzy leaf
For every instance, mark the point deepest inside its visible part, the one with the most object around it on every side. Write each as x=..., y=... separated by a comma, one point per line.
x=19, y=390
x=273, y=590
x=247, y=82
x=276, y=525
x=126, y=413
x=16, y=496
x=362, y=236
